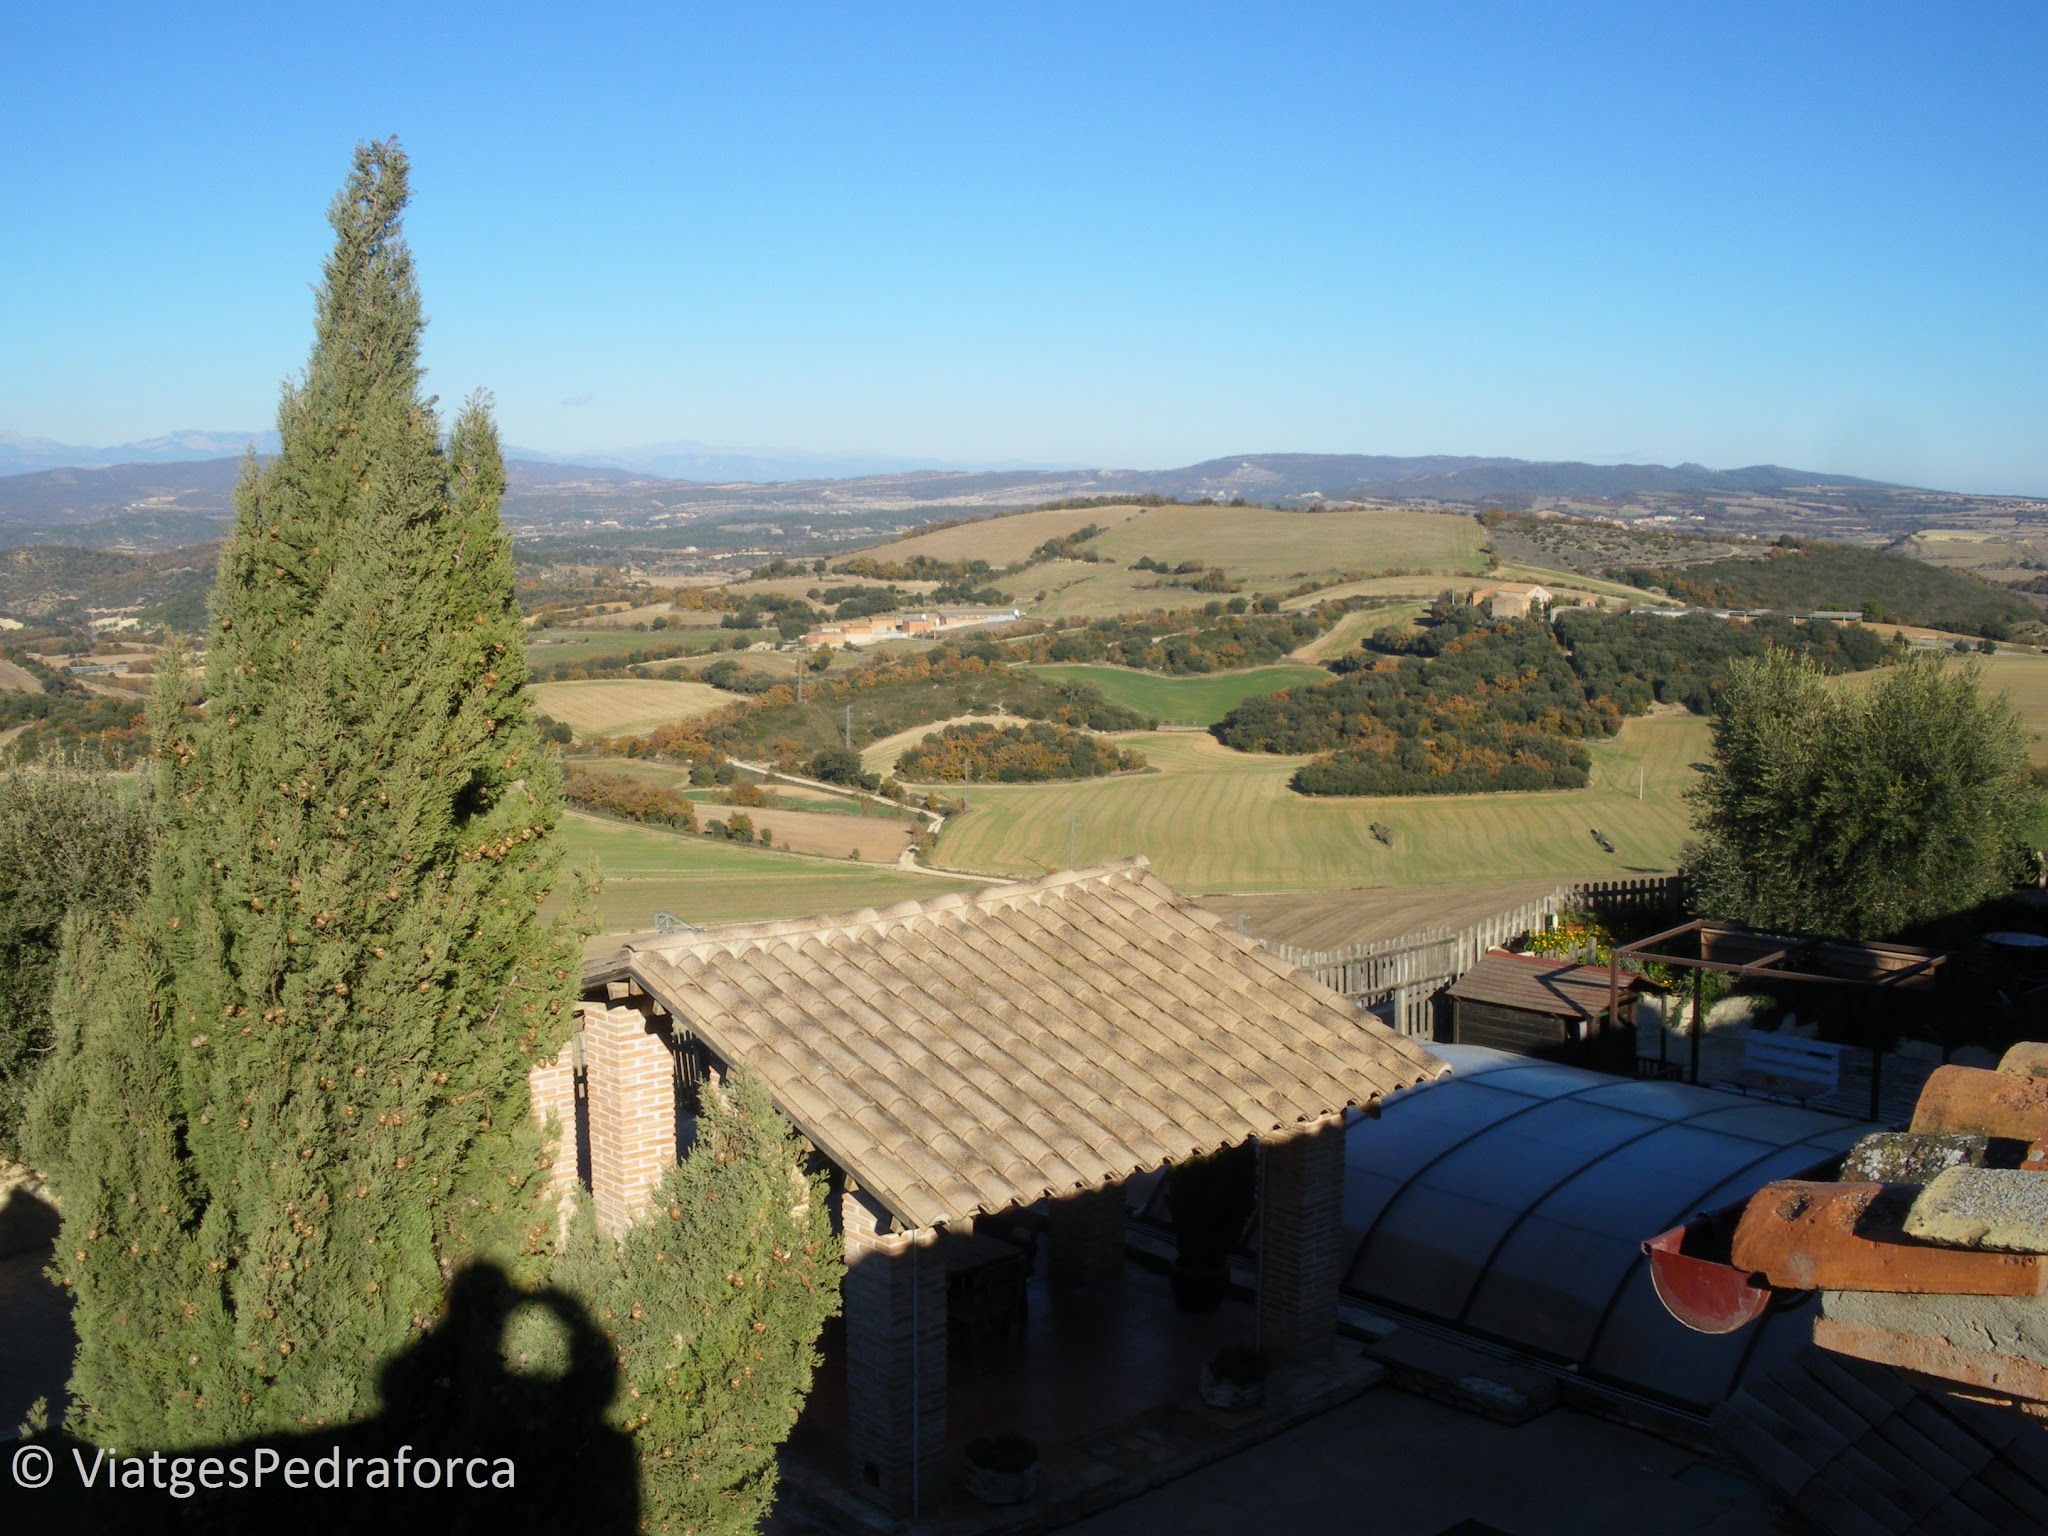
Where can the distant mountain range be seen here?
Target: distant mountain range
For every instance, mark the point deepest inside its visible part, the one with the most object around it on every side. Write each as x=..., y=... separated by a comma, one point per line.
x=704, y=463
x=178, y=489
x=21, y=455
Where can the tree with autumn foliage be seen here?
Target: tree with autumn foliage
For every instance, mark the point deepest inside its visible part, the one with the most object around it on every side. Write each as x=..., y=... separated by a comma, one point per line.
x=289, y=1100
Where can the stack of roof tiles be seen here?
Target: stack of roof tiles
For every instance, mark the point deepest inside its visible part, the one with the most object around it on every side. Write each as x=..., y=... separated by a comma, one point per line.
x=974, y=1052
x=1931, y=1251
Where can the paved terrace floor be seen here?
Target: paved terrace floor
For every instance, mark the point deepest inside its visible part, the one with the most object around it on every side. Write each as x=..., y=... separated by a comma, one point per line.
x=1394, y=1465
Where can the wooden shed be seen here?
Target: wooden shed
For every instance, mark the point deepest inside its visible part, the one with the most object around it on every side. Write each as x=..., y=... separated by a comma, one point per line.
x=1539, y=1006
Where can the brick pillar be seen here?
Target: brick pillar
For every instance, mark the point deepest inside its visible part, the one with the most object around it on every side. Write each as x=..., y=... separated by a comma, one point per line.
x=1084, y=1235
x=895, y=1301
x=1301, y=1196
x=629, y=1073
x=552, y=1086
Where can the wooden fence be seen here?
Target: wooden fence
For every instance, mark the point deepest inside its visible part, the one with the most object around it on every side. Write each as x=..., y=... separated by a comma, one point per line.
x=1407, y=972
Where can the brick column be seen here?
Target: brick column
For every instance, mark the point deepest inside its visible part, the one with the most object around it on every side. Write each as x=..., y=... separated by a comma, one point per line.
x=1084, y=1235
x=629, y=1073
x=1301, y=1196
x=552, y=1086
x=895, y=1301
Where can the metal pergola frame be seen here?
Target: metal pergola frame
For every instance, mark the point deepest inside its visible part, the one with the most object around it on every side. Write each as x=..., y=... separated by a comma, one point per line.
x=1780, y=957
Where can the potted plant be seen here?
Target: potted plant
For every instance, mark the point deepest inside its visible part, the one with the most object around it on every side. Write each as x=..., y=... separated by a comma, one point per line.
x=1234, y=1378
x=1002, y=1469
x=1211, y=1200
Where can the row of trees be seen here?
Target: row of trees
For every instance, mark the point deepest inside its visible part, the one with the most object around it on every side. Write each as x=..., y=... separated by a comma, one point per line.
x=614, y=794
x=287, y=1113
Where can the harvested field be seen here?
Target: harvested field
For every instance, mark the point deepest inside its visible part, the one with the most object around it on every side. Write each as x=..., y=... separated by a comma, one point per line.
x=703, y=881
x=1211, y=819
x=808, y=821
x=1268, y=551
x=625, y=706
x=626, y=618
x=18, y=679
x=998, y=540
x=1272, y=549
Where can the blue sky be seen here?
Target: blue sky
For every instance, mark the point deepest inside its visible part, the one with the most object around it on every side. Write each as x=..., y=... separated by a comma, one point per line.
x=1134, y=235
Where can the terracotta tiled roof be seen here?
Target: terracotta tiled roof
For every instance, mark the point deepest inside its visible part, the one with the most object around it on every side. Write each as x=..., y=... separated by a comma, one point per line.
x=972, y=1052
x=1539, y=984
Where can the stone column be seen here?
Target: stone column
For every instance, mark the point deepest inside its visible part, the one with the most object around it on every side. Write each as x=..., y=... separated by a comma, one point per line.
x=1084, y=1235
x=1301, y=1196
x=895, y=1301
x=629, y=1073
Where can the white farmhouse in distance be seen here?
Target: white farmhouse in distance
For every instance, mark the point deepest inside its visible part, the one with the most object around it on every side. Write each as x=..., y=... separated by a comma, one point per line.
x=1512, y=599
x=904, y=626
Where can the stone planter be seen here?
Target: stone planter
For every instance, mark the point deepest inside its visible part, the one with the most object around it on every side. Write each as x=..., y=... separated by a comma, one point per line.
x=992, y=1487
x=1223, y=1392
x=1002, y=1469
x=1234, y=1378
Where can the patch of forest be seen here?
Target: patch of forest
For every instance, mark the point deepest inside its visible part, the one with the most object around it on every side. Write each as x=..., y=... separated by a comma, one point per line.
x=1467, y=706
x=1883, y=587
x=1013, y=754
x=888, y=695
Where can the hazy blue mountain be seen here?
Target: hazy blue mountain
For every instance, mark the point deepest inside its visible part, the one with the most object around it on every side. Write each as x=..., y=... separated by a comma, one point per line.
x=20, y=455
x=142, y=504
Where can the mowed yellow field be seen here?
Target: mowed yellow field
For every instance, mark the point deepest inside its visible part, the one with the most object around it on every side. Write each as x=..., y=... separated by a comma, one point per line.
x=625, y=706
x=998, y=540
x=2020, y=676
x=1211, y=819
x=1268, y=550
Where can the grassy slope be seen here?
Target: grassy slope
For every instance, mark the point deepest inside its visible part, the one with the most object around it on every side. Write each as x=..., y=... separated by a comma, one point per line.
x=612, y=706
x=702, y=881
x=1184, y=700
x=1347, y=632
x=1213, y=819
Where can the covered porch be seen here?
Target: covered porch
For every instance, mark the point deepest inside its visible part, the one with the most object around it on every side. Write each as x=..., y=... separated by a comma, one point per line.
x=1008, y=1058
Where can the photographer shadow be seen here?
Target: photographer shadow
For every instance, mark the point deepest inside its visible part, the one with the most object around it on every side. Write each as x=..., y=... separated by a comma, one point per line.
x=482, y=1447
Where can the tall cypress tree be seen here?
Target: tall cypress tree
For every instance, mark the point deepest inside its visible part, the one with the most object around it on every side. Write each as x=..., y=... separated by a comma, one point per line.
x=290, y=1100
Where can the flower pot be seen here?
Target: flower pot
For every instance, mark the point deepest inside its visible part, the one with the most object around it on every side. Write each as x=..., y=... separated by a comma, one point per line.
x=1223, y=1392
x=992, y=1487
